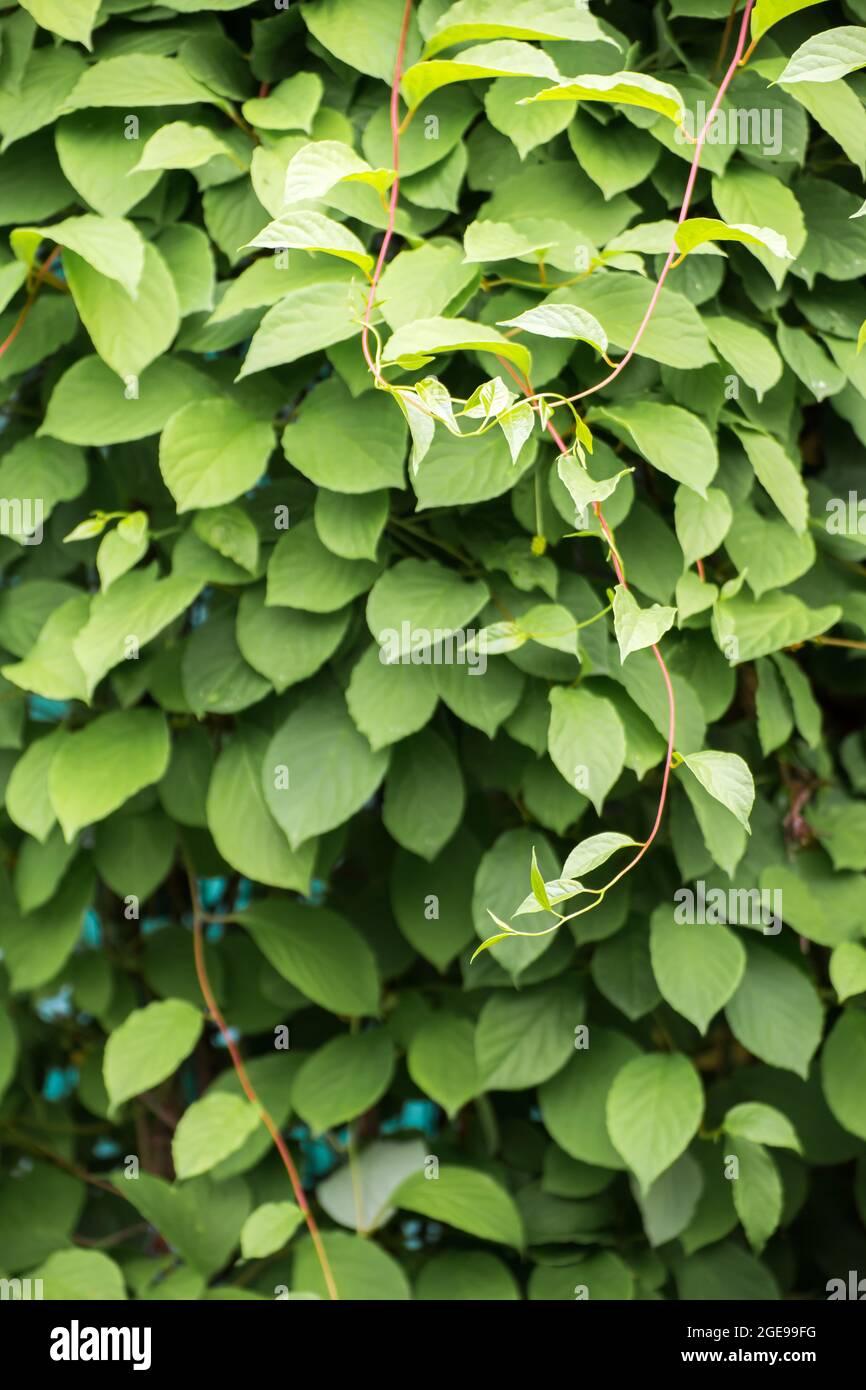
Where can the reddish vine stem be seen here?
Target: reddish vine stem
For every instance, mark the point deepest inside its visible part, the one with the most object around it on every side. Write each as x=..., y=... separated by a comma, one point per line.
x=395, y=186
x=684, y=209
x=650, y=310
x=250, y=1091
x=672, y=713
x=31, y=300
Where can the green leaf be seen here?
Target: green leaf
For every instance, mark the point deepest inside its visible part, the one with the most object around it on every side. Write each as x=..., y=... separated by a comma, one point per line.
x=727, y=778
x=71, y=19
x=90, y=406
x=27, y=802
x=362, y=1270
x=343, y=1079
x=316, y=168
x=768, y=12
x=318, y=770
x=465, y=1198
x=291, y=105
x=127, y=333
x=417, y=343
x=757, y=1191
x=138, y=79
x=746, y=196
x=584, y=489
x=432, y=903
x=80, y=1275
x=388, y=702
x=367, y=435
x=622, y=89
x=810, y=362
x=180, y=145
x=98, y=769
x=365, y=40
x=149, y=1046
x=313, y=231
x=463, y=1276
x=762, y=1124
x=212, y=452
x=525, y=19
x=574, y=1102
x=311, y=315
x=201, y=1219
x=136, y=608
x=848, y=970
x=701, y=522
x=779, y=475
x=441, y=1061
x=653, y=1112
x=697, y=231
x=109, y=245
x=638, y=627
x=747, y=350
x=37, y=946
x=416, y=603
x=424, y=794
x=586, y=741
x=285, y=644
x=775, y=720
x=828, y=56
x=560, y=321
x=776, y=1013
x=843, y=1071
x=209, y=1131
x=122, y=548
x=244, y=831
x=269, y=1228
x=673, y=440
x=333, y=965
x=697, y=967
x=502, y=58
x=523, y=1039
x=527, y=127
x=757, y=627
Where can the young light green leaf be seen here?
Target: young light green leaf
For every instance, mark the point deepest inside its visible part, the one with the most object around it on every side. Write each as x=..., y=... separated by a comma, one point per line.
x=619, y=88
x=211, y=1129
x=727, y=778
x=102, y=766
x=848, y=970
x=148, y=1046
x=417, y=343
x=763, y=1124
x=524, y=19
x=638, y=627
x=560, y=321
x=313, y=231
x=827, y=57
x=316, y=168
x=769, y=12
x=517, y=424
x=501, y=58
x=180, y=145
x=697, y=231
x=585, y=490
x=269, y=1228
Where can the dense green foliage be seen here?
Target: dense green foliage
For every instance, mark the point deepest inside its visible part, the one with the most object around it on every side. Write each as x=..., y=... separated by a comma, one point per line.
x=326, y=665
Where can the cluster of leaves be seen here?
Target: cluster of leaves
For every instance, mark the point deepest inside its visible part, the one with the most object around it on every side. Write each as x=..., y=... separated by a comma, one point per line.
x=228, y=480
